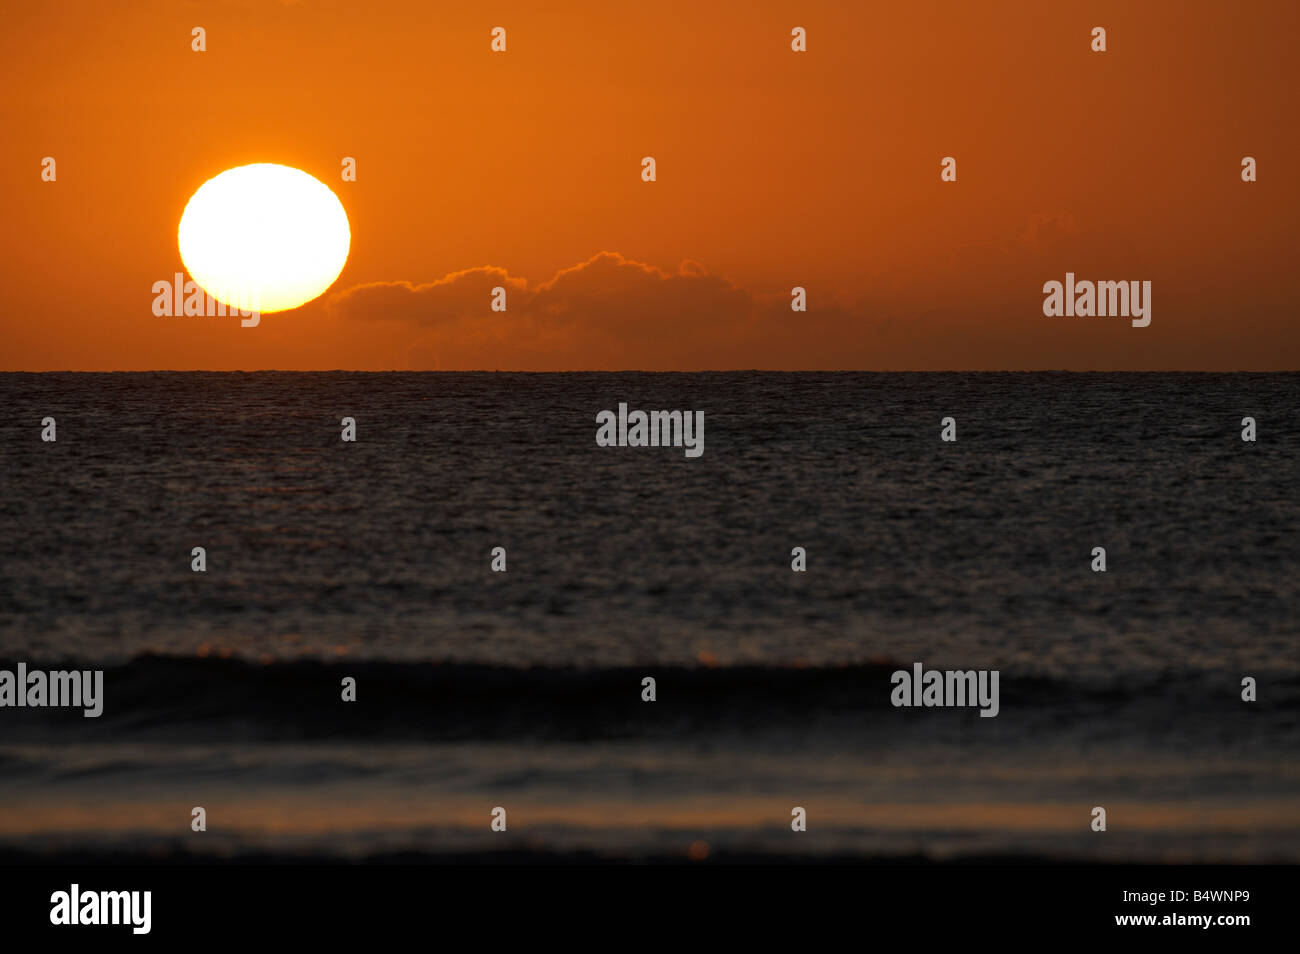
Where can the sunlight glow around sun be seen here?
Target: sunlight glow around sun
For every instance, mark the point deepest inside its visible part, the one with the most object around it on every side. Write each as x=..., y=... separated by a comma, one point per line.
x=264, y=234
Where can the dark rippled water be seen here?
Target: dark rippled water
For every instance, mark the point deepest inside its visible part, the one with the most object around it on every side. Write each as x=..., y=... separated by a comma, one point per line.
x=328, y=559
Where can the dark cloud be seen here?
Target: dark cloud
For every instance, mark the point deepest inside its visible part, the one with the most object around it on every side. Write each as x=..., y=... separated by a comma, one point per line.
x=608, y=311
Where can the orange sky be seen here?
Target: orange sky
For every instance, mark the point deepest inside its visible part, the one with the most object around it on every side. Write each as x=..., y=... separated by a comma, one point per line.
x=775, y=169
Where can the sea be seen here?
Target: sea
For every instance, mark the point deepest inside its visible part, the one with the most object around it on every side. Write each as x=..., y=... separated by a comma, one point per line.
x=521, y=696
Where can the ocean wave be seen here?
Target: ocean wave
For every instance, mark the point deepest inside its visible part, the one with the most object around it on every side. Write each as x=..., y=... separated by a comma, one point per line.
x=198, y=697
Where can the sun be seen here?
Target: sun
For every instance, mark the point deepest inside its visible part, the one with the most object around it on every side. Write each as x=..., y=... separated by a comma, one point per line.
x=264, y=236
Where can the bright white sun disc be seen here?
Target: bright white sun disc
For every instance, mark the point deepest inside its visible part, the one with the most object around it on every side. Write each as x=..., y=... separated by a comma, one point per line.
x=265, y=235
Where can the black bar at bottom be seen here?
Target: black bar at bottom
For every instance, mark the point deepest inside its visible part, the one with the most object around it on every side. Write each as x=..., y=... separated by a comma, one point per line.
x=328, y=904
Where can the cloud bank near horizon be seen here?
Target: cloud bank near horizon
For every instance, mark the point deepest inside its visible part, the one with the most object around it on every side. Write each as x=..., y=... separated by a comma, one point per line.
x=608, y=312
